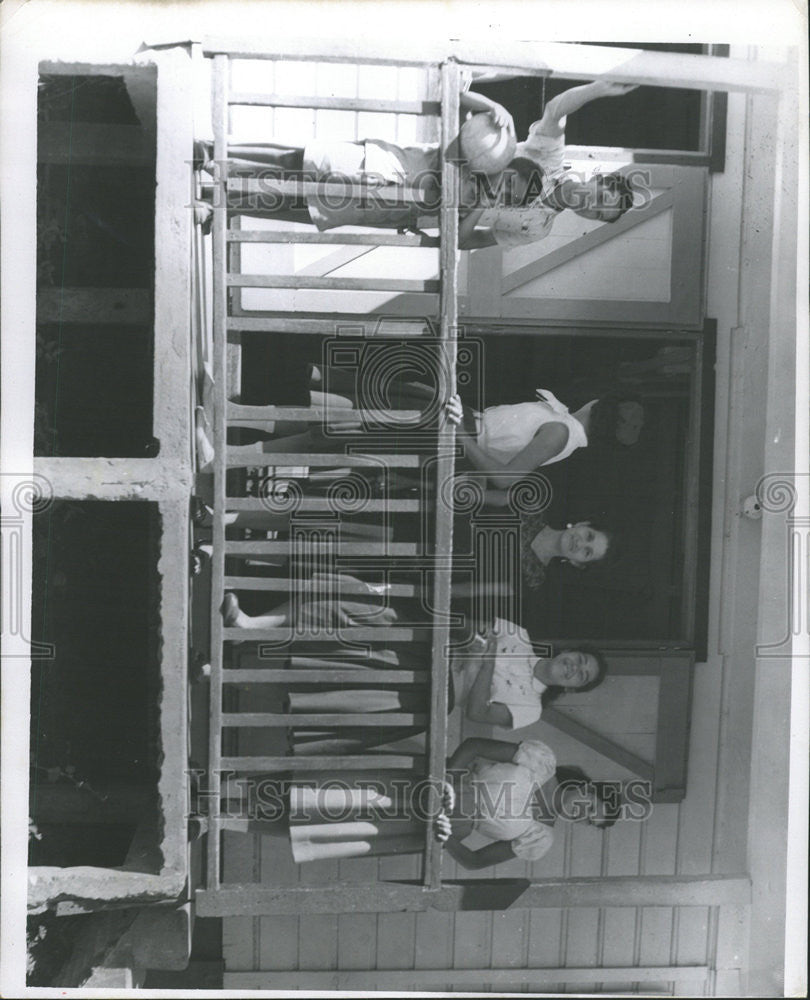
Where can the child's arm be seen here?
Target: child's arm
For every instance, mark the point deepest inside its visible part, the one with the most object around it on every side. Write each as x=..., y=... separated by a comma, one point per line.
x=479, y=706
x=477, y=104
x=547, y=443
x=498, y=751
x=553, y=121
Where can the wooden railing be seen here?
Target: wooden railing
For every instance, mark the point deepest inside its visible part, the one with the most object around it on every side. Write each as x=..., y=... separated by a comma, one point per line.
x=433, y=562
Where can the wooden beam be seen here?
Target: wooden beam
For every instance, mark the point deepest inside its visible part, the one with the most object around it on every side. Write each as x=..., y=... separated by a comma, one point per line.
x=423, y=978
x=219, y=101
x=560, y=59
x=373, y=325
x=323, y=720
x=294, y=765
x=314, y=587
x=600, y=744
x=95, y=306
x=303, y=546
x=334, y=675
x=342, y=238
x=94, y=144
x=445, y=464
x=476, y=894
x=672, y=730
x=372, y=633
x=247, y=455
x=307, y=281
x=376, y=105
x=324, y=505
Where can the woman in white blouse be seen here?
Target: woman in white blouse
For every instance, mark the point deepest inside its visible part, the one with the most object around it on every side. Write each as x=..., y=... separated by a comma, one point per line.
x=513, y=794
x=505, y=682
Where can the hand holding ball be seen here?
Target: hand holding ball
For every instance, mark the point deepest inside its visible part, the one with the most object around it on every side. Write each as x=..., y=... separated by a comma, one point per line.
x=486, y=146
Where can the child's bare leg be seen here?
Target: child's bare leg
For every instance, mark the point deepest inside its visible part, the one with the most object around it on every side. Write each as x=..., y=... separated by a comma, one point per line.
x=234, y=617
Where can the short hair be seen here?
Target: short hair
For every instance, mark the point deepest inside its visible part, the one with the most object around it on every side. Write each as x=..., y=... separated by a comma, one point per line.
x=619, y=186
x=568, y=774
x=604, y=417
x=553, y=691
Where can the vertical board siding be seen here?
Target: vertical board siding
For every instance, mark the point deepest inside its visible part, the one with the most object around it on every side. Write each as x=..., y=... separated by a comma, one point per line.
x=546, y=940
x=396, y=940
x=434, y=935
x=473, y=944
x=357, y=941
x=318, y=941
x=278, y=943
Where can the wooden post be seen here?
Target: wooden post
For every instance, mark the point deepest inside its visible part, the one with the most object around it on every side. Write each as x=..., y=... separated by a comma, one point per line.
x=422, y=979
x=475, y=894
x=445, y=465
x=561, y=59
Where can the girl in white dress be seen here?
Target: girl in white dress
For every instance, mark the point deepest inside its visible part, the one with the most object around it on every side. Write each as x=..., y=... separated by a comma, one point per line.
x=510, y=793
x=505, y=682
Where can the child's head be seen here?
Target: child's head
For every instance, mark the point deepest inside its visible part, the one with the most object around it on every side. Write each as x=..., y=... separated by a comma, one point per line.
x=522, y=181
x=604, y=197
x=581, y=668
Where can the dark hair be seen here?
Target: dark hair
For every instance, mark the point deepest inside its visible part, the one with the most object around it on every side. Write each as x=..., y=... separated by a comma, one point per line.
x=532, y=569
x=609, y=812
x=553, y=692
x=604, y=418
x=532, y=174
x=615, y=541
x=620, y=186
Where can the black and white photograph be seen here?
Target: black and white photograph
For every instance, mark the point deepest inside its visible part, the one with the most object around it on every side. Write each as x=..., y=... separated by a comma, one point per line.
x=405, y=485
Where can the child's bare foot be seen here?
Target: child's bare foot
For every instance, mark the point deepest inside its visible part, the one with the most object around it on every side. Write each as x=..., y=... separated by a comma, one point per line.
x=200, y=556
x=205, y=450
x=203, y=216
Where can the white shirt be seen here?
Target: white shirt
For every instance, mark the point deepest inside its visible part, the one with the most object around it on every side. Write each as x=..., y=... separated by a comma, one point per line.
x=513, y=680
x=515, y=225
x=506, y=430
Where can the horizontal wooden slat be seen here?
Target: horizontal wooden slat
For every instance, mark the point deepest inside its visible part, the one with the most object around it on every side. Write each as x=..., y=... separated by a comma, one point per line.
x=332, y=284
x=380, y=194
x=373, y=104
x=476, y=894
x=377, y=239
x=245, y=455
x=260, y=547
x=314, y=587
x=331, y=720
x=242, y=414
x=365, y=326
x=354, y=633
x=324, y=505
x=362, y=762
x=337, y=675
x=420, y=979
